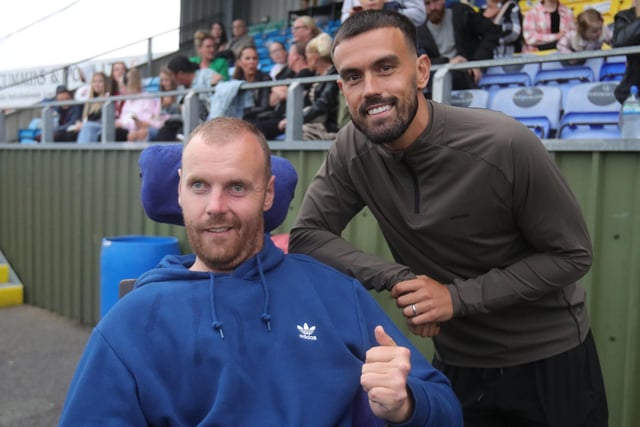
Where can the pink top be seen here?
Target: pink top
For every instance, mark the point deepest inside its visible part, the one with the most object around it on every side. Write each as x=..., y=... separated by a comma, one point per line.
x=145, y=109
x=536, y=28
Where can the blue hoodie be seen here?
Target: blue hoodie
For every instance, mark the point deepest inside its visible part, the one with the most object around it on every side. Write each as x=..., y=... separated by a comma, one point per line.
x=278, y=342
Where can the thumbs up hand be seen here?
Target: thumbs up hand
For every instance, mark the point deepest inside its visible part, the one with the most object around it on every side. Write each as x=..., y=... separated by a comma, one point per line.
x=384, y=378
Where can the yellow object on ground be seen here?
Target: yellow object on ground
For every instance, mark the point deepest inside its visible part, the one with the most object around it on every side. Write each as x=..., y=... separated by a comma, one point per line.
x=4, y=273
x=11, y=294
x=11, y=289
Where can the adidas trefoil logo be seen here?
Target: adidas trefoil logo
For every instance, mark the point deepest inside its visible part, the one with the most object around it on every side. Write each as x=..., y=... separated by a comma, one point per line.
x=306, y=332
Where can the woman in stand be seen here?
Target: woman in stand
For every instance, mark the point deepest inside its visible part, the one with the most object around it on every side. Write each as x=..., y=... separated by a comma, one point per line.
x=247, y=70
x=91, y=125
x=206, y=48
x=138, y=114
x=545, y=24
x=320, y=118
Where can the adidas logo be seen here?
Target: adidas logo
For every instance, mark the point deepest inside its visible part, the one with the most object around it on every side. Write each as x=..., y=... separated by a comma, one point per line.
x=306, y=332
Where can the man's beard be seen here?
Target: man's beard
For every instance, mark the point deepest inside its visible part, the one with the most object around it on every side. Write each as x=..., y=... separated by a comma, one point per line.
x=390, y=132
x=230, y=254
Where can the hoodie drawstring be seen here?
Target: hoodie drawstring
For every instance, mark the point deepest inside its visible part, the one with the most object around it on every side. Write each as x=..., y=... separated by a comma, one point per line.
x=217, y=325
x=266, y=317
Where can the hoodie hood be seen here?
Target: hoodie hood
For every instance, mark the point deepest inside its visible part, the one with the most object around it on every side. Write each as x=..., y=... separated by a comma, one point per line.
x=175, y=268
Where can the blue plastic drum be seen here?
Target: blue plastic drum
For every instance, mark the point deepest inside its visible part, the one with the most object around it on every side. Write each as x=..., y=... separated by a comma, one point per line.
x=127, y=257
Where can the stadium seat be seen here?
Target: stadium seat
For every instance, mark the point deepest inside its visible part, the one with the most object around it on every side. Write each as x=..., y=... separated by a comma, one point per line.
x=613, y=68
x=498, y=77
x=560, y=74
x=563, y=75
x=590, y=110
x=530, y=69
x=537, y=107
x=29, y=134
x=476, y=98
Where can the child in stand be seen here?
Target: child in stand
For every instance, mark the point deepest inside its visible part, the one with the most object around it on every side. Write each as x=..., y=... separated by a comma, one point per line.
x=591, y=33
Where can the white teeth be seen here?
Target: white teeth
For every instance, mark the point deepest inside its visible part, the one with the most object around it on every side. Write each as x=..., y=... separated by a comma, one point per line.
x=219, y=230
x=379, y=110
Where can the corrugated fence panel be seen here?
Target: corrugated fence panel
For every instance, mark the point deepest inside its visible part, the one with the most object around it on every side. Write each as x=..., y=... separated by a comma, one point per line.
x=57, y=203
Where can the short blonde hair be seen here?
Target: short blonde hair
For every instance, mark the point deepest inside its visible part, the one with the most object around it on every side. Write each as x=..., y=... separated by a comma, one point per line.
x=320, y=45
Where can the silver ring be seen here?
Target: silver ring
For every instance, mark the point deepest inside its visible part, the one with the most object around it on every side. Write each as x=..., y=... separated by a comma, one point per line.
x=413, y=308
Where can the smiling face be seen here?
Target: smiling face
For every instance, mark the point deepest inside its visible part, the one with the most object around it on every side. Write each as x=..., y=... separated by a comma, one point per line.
x=223, y=193
x=207, y=49
x=383, y=86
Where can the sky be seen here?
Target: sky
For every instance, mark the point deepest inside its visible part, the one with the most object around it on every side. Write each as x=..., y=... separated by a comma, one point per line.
x=36, y=33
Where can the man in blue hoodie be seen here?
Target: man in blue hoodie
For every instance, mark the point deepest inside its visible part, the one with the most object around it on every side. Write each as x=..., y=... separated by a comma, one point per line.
x=240, y=334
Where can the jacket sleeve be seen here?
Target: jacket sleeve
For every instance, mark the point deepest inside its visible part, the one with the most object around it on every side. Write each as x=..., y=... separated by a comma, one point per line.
x=324, y=102
x=564, y=44
x=414, y=10
x=549, y=217
x=511, y=31
x=626, y=29
x=436, y=404
x=329, y=204
x=102, y=392
x=481, y=28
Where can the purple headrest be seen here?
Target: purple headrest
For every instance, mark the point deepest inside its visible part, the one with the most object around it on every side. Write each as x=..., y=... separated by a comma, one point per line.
x=159, y=166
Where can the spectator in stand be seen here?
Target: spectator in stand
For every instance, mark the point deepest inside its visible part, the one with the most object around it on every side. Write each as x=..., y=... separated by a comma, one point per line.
x=241, y=37
x=412, y=9
x=590, y=34
x=545, y=24
x=188, y=75
x=320, y=117
x=454, y=35
x=219, y=32
x=138, y=114
x=206, y=49
x=278, y=55
x=304, y=29
x=626, y=32
x=118, y=77
x=247, y=70
x=68, y=117
x=91, y=125
x=506, y=15
x=269, y=125
x=169, y=107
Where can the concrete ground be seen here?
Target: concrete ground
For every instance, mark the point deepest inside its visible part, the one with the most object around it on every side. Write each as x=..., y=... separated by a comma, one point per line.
x=39, y=351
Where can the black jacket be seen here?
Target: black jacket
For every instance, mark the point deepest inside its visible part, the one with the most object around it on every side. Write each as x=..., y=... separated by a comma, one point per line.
x=324, y=100
x=476, y=36
x=626, y=32
x=260, y=98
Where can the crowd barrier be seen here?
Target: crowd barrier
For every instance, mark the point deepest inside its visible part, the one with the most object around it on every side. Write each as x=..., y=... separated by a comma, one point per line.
x=441, y=92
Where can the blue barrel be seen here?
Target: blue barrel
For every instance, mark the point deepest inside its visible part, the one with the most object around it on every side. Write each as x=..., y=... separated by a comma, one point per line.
x=127, y=257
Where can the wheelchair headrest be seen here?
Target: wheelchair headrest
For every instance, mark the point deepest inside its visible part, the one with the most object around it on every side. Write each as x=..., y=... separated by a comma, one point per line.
x=159, y=166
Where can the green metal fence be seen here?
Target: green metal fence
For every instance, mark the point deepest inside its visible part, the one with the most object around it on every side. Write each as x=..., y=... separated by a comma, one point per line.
x=58, y=202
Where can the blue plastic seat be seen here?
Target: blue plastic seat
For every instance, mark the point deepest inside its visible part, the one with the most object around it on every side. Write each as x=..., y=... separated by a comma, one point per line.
x=537, y=107
x=29, y=134
x=475, y=98
x=612, y=71
x=590, y=110
x=576, y=73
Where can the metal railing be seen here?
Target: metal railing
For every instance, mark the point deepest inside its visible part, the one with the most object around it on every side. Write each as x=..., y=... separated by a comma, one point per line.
x=441, y=91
